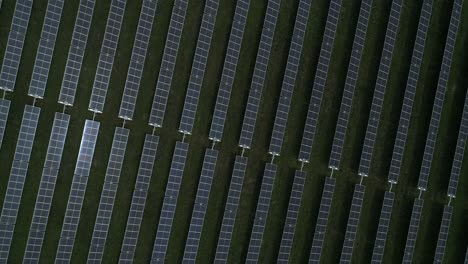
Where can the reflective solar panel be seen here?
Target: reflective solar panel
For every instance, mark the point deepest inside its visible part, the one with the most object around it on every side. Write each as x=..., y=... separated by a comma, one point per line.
x=439, y=96
x=200, y=207
x=379, y=90
x=382, y=230
x=230, y=211
x=260, y=70
x=14, y=48
x=350, y=84
x=46, y=48
x=137, y=61
x=4, y=109
x=163, y=85
x=76, y=52
x=320, y=80
x=443, y=234
x=413, y=230
x=140, y=192
x=229, y=70
x=353, y=223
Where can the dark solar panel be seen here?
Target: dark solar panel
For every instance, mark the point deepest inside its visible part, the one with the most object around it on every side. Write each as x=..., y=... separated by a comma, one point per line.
x=353, y=223
x=4, y=110
x=443, y=234
x=382, y=230
x=413, y=230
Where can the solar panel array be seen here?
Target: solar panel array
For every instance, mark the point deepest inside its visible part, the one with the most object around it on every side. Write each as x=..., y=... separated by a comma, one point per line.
x=291, y=217
x=350, y=84
x=413, y=230
x=322, y=220
x=200, y=207
x=410, y=92
x=230, y=211
x=229, y=70
x=137, y=61
x=77, y=191
x=379, y=90
x=320, y=80
x=4, y=109
x=14, y=48
x=106, y=57
x=166, y=71
x=443, y=234
x=440, y=94
x=353, y=223
x=169, y=204
x=382, y=230
x=46, y=188
x=140, y=193
x=76, y=52
x=109, y=191
x=258, y=78
x=261, y=213
x=289, y=78
x=198, y=66
x=46, y=48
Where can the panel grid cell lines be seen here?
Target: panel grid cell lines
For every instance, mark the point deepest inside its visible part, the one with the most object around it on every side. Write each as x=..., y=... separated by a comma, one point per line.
x=413, y=230
x=46, y=188
x=289, y=78
x=379, y=90
x=14, y=48
x=106, y=57
x=166, y=71
x=76, y=52
x=261, y=213
x=291, y=217
x=109, y=191
x=140, y=193
x=260, y=70
x=443, y=234
x=320, y=80
x=230, y=211
x=350, y=84
x=353, y=222
x=169, y=204
x=18, y=172
x=137, y=61
x=77, y=192
x=46, y=48
x=4, y=110
x=200, y=207
x=382, y=230
x=322, y=220
x=410, y=92
x=440, y=95
x=198, y=66
x=229, y=70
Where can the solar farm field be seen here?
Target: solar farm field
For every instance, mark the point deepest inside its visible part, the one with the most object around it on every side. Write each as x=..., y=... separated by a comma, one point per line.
x=233, y=131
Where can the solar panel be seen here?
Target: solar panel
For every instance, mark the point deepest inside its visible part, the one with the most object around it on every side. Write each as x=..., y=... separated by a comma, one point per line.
x=46, y=187
x=439, y=96
x=322, y=220
x=46, y=48
x=260, y=70
x=413, y=230
x=353, y=223
x=109, y=191
x=379, y=90
x=291, y=217
x=137, y=61
x=140, y=192
x=106, y=57
x=76, y=52
x=200, y=207
x=320, y=80
x=4, y=109
x=14, y=48
x=229, y=70
x=261, y=213
x=289, y=78
x=163, y=85
x=18, y=172
x=443, y=234
x=77, y=191
x=350, y=84
x=230, y=211
x=413, y=76
x=382, y=230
